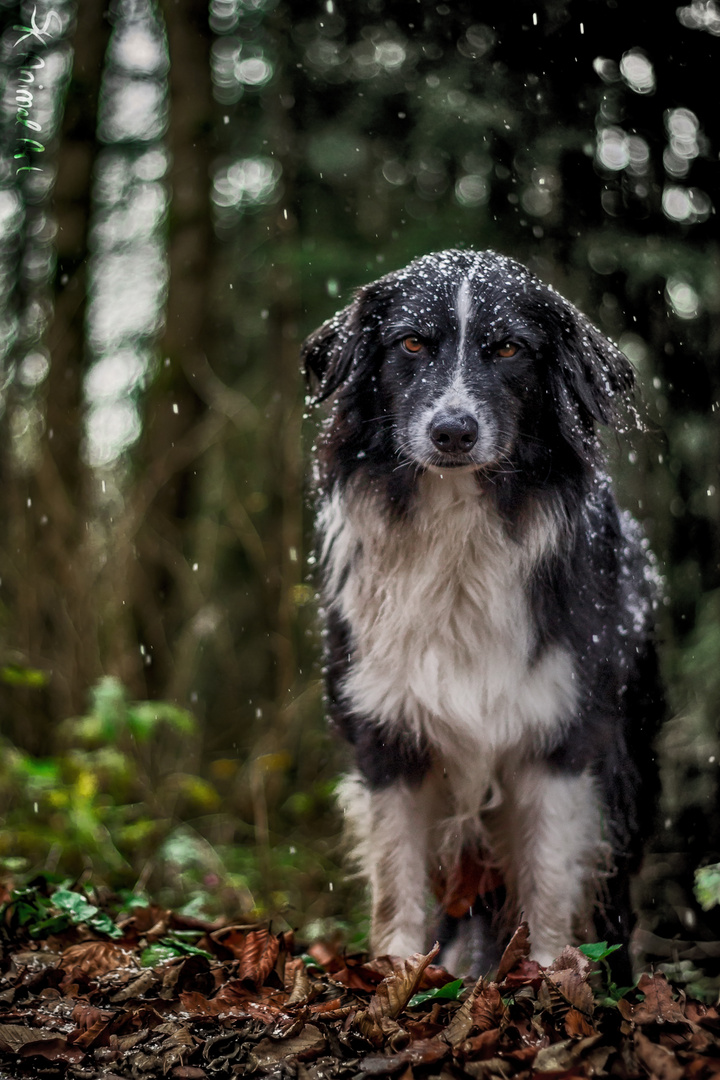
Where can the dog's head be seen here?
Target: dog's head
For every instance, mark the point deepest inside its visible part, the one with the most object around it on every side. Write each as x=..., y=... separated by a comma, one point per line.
x=467, y=361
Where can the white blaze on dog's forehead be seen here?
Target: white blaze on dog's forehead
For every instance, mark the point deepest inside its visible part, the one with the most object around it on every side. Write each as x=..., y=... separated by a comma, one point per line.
x=463, y=304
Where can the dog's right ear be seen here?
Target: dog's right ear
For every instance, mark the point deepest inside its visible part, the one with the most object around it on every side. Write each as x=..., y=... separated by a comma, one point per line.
x=334, y=350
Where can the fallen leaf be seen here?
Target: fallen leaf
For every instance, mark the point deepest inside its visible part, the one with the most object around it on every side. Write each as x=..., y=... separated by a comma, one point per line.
x=258, y=956
x=555, y=1058
x=574, y=988
x=54, y=1049
x=487, y=1009
x=481, y=1046
x=91, y=959
x=463, y=1021
x=145, y=981
x=577, y=1025
x=572, y=959
x=659, y=1062
x=517, y=949
x=658, y=1006
x=297, y=982
x=525, y=973
x=13, y=1036
x=393, y=994
x=306, y=1046
x=423, y=1052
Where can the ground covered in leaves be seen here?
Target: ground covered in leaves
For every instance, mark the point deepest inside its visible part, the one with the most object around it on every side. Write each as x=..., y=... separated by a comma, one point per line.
x=152, y=993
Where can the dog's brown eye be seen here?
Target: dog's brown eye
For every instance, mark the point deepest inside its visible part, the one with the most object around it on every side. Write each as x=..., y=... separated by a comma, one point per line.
x=506, y=350
x=412, y=344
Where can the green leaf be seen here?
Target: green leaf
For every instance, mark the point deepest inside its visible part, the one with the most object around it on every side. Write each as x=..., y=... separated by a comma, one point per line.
x=74, y=904
x=75, y=907
x=707, y=886
x=145, y=717
x=130, y=900
x=15, y=675
x=168, y=948
x=185, y=948
x=449, y=992
x=158, y=954
x=598, y=950
x=103, y=924
x=310, y=962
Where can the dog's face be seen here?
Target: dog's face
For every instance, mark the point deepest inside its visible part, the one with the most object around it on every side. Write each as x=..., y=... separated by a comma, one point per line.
x=463, y=361
x=460, y=358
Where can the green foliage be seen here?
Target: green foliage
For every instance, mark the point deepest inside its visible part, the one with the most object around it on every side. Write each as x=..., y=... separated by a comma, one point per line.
x=707, y=886
x=111, y=794
x=170, y=947
x=42, y=913
x=449, y=992
x=120, y=800
x=599, y=952
x=17, y=676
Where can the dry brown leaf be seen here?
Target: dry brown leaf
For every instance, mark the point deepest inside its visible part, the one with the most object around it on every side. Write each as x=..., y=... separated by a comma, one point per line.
x=422, y=1052
x=297, y=982
x=327, y=956
x=393, y=993
x=518, y=948
x=97, y=1032
x=138, y=987
x=13, y=1036
x=525, y=973
x=658, y=1006
x=360, y=977
x=497, y=1068
x=463, y=1021
x=659, y=1062
x=487, y=1009
x=571, y=959
x=90, y=959
x=55, y=1049
x=481, y=1046
x=555, y=1058
x=574, y=988
x=305, y=1046
x=396, y=989
x=258, y=956
x=577, y=1025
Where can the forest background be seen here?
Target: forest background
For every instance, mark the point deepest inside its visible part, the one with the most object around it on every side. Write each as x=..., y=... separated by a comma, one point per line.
x=187, y=191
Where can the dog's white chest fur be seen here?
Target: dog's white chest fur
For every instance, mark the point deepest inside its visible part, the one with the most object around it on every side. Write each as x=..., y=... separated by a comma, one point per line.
x=438, y=614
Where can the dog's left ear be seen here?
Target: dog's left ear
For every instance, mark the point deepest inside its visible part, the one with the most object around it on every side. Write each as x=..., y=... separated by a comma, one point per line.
x=594, y=380
x=332, y=352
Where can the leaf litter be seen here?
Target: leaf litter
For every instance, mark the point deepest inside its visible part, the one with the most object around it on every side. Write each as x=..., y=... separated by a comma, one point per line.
x=159, y=994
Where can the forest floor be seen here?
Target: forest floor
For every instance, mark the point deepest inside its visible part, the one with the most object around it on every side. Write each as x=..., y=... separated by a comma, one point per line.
x=150, y=993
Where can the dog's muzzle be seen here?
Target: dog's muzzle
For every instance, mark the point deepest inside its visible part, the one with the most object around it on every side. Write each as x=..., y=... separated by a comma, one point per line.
x=453, y=433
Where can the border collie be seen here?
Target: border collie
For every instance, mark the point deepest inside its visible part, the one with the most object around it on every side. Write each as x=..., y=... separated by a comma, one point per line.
x=488, y=609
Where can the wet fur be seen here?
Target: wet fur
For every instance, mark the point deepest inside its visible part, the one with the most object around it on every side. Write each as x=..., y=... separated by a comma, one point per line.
x=489, y=612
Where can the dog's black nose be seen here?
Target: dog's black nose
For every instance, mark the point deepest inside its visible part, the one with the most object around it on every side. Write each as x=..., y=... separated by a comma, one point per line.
x=454, y=433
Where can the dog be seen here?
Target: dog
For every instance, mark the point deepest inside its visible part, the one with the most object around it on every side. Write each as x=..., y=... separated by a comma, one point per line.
x=488, y=609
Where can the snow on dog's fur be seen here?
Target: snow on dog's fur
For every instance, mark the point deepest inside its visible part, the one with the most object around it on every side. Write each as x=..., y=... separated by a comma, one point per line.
x=488, y=609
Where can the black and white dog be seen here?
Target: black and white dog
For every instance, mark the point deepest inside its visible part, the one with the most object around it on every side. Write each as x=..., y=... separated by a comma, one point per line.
x=488, y=609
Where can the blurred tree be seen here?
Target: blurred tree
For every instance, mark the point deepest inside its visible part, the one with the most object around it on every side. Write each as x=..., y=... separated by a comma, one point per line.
x=46, y=483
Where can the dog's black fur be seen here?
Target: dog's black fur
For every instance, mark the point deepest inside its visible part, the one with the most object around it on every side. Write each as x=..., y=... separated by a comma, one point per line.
x=467, y=400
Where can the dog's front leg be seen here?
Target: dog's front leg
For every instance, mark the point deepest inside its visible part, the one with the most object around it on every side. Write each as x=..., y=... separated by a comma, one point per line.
x=391, y=827
x=552, y=829
x=398, y=870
